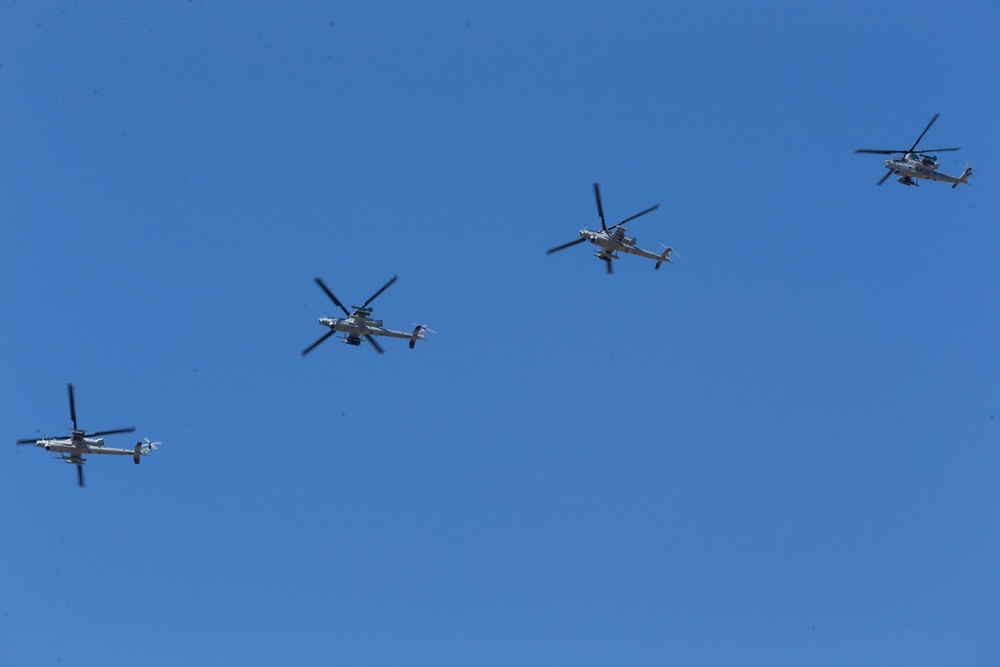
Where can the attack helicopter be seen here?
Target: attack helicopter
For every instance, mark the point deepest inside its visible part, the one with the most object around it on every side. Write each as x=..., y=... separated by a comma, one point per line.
x=360, y=324
x=79, y=442
x=612, y=240
x=916, y=164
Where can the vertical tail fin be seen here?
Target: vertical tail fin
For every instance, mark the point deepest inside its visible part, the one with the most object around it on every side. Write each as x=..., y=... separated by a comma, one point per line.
x=665, y=257
x=964, y=178
x=418, y=333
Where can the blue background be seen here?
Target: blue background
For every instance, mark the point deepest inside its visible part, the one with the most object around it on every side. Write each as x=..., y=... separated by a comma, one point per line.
x=782, y=449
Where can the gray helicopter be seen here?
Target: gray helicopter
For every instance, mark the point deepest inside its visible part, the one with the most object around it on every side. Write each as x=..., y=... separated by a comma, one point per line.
x=918, y=164
x=79, y=442
x=612, y=240
x=360, y=324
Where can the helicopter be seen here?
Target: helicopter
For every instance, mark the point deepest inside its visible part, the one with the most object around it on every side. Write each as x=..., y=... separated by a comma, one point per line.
x=79, y=442
x=916, y=164
x=360, y=324
x=612, y=240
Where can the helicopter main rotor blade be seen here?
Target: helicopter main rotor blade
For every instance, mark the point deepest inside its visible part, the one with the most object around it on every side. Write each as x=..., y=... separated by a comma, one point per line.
x=112, y=432
x=887, y=175
x=564, y=245
x=600, y=209
x=878, y=151
x=610, y=270
x=319, y=281
x=321, y=339
x=384, y=288
x=79, y=474
x=648, y=210
x=72, y=406
x=371, y=339
x=923, y=133
x=27, y=441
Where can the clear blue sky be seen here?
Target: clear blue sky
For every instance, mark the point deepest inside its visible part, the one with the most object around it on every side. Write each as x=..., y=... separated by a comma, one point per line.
x=780, y=450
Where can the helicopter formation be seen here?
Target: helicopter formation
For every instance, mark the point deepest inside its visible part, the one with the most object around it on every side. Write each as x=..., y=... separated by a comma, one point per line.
x=358, y=324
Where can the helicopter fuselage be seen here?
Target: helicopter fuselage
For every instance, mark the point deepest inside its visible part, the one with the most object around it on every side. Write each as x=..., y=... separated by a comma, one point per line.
x=358, y=325
x=611, y=242
x=913, y=165
x=77, y=447
x=77, y=444
x=917, y=164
